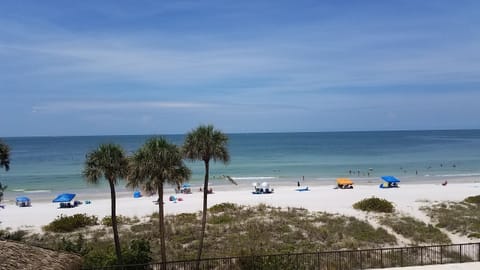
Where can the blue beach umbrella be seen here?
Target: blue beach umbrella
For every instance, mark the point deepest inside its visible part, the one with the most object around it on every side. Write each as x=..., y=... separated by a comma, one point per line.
x=64, y=197
x=390, y=179
x=22, y=199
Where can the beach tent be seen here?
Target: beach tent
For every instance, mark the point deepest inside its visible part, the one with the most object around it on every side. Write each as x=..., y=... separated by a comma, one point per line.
x=64, y=200
x=137, y=194
x=262, y=189
x=266, y=188
x=64, y=197
x=257, y=188
x=390, y=181
x=22, y=201
x=344, y=183
x=186, y=189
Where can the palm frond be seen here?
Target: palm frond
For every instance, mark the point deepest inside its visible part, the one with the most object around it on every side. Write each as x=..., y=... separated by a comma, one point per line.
x=231, y=180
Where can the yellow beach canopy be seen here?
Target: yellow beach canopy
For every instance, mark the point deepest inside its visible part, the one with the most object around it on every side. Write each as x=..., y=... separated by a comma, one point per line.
x=344, y=181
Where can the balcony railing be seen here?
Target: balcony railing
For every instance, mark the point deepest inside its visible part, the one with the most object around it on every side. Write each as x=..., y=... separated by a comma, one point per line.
x=330, y=260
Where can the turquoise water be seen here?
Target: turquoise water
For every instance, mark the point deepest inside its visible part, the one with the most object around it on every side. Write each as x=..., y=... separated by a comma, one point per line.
x=54, y=164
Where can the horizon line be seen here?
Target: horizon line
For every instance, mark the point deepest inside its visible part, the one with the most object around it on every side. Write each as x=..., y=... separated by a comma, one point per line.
x=247, y=132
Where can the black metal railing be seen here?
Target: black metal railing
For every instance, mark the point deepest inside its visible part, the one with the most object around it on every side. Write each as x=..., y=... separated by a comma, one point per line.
x=330, y=260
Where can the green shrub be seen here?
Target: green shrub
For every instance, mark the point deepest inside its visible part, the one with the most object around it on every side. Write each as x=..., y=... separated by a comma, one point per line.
x=77, y=245
x=473, y=199
x=222, y=207
x=374, y=205
x=14, y=236
x=121, y=220
x=64, y=223
x=99, y=256
x=137, y=252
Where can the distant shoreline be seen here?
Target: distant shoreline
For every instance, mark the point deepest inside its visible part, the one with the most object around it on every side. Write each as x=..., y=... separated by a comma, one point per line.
x=102, y=192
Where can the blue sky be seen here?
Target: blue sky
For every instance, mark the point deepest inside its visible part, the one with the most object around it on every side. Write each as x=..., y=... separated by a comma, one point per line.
x=163, y=67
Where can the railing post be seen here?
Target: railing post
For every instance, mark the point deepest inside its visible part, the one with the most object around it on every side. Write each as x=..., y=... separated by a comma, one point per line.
x=441, y=254
x=421, y=255
x=381, y=257
x=401, y=257
x=361, y=259
x=478, y=252
x=461, y=252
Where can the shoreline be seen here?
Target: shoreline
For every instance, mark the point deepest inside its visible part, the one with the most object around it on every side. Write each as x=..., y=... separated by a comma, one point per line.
x=102, y=191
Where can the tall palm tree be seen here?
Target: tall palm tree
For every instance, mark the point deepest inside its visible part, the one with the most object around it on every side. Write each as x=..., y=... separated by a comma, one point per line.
x=4, y=156
x=157, y=162
x=110, y=162
x=4, y=163
x=205, y=143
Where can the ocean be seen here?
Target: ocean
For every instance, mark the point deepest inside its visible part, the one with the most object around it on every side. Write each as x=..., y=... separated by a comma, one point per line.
x=54, y=164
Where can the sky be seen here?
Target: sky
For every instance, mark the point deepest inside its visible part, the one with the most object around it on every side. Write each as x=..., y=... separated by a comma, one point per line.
x=165, y=67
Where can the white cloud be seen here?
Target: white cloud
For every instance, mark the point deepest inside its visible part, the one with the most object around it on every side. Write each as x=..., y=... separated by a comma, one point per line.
x=116, y=105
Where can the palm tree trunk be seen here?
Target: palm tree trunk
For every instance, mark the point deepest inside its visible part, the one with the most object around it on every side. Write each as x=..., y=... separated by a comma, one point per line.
x=204, y=214
x=118, y=250
x=161, y=225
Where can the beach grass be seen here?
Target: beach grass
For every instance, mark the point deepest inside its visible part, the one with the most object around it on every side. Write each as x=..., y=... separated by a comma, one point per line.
x=415, y=230
x=232, y=230
x=457, y=217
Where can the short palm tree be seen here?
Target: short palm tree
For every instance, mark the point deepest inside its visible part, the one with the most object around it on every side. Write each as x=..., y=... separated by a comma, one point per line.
x=205, y=143
x=4, y=163
x=157, y=162
x=110, y=162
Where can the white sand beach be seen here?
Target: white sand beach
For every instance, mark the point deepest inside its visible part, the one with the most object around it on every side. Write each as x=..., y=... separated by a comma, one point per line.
x=407, y=199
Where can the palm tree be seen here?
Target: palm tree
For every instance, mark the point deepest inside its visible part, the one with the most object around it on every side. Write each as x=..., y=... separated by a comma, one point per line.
x=110, y=162
x=205, y=143
x=2, y=189
x=157, y=162
x=4, y=156
x=4, y=163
